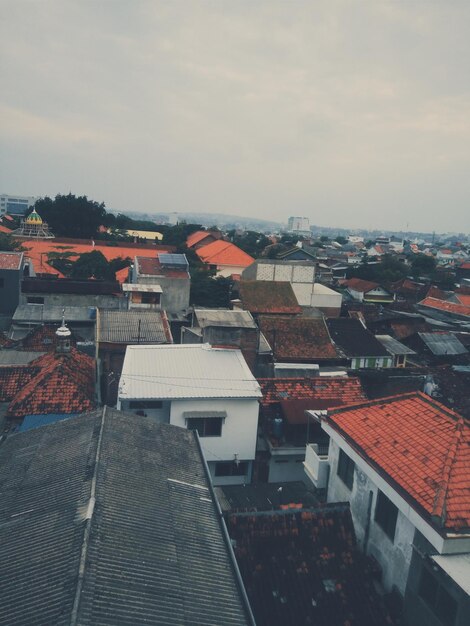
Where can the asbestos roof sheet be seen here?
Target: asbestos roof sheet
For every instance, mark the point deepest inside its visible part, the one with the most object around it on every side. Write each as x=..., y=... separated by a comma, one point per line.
x=442, y=343
x=186, y=371
x=140, y=288
x=393, y=346
x=18, y=357
x=139, y=326
x=51, y=313
x=224, y=317
x=129, y=496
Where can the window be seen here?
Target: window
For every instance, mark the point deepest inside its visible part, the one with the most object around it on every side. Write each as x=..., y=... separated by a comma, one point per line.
x=438, y=599
x=231, y=468
x=386, y=514
x=35, y=300
x=145, y=404
x=346, y=469
x=206, y=426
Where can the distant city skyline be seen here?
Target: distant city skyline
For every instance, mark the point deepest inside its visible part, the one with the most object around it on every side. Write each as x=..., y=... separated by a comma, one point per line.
x=355, y=115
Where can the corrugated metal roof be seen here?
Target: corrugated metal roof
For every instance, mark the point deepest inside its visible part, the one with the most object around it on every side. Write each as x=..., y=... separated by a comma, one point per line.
x=224, y=317
x=52, y=313
x=442, y=343
x=186, y=371
x=110, y=519
x=18, y=357
x=393, y=346
x=139, y=326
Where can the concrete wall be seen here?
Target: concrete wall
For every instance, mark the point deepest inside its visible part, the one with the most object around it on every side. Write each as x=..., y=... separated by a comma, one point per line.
x=10, y=292
x=227, y=270
x=286, y=468
x=239, y=429
x=70, y=299
x=394, y=556
x=175, y=296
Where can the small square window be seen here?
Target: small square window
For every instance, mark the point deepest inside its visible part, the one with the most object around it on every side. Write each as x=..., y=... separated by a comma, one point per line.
x=346, y=469
x=386, y=514
x=206, y=426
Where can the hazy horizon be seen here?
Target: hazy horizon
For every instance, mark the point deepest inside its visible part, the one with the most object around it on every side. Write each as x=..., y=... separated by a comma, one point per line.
x=356, y=115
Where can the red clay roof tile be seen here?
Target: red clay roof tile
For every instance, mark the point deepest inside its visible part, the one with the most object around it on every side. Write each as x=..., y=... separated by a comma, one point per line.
x=299, y=338
x=423, y=447
x=447, y=307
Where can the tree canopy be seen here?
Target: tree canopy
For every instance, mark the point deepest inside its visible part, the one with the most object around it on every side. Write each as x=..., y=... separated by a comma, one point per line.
x=72, y=216
x=388, y=270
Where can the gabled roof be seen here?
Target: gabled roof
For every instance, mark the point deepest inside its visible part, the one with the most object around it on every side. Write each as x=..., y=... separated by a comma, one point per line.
x=185, y=371
x=194, y=238
x=134, y=326
x=224, y=253
x=446, y=307
x=303, y=567
x=10, y=260
x=353, y=339
x=65, y=383
x=362, y=286
x=109, y=518
x=262, y=296
x=299, y=338
x=421, y=447
x=393, y=346
x=322, y=392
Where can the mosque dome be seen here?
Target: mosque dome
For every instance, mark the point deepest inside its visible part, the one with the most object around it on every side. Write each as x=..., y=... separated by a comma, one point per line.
x=34, y=218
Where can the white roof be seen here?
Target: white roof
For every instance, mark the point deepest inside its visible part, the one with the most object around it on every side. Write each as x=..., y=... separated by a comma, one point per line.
x=185, y=371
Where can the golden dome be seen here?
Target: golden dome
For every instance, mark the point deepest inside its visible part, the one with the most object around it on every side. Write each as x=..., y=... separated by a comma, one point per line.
x=33, y=218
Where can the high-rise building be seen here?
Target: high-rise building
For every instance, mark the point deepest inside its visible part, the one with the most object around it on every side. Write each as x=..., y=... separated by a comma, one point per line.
x=298, y=224
x=15, y=205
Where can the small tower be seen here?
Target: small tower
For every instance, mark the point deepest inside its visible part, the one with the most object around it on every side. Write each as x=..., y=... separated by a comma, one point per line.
x=63, y=335
x=32, y=227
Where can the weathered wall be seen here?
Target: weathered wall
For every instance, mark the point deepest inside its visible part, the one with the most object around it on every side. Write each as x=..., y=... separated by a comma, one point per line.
x=70, y=299
x=10, y=292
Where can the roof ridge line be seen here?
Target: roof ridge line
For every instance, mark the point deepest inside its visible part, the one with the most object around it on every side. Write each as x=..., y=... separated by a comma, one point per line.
x=86, y=535
x=439, y=504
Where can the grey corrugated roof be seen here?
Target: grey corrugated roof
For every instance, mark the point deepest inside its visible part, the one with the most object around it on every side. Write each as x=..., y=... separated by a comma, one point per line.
x=442, y=343
x=393, y=346
x=224, y=317
x=18, y=357
x=141, y=325
x=52, y=313
x=149, y=549
x=185, y=371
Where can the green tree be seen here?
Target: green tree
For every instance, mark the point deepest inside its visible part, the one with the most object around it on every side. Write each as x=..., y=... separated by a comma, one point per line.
x=341, y=240
x=423, y=265
x=208, y=291
x=8, y=244
x=72, y=216
x=92, y=265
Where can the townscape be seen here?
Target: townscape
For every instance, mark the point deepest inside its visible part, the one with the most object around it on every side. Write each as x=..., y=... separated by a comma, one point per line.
x=212, y=425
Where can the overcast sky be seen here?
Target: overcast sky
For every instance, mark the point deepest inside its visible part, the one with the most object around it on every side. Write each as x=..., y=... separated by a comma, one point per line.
x=352, y=113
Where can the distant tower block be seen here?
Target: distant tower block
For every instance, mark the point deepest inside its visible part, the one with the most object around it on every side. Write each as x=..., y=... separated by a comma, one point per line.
x=298, y=225
x=32, y=227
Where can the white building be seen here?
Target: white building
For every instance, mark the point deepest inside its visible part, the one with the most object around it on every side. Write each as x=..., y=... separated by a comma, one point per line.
x=15, y=205
x=402, y=463
x=211, y=390
x=298, y=225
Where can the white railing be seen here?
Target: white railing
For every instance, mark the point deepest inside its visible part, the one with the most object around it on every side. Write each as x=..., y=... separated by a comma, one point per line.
x=316, y=464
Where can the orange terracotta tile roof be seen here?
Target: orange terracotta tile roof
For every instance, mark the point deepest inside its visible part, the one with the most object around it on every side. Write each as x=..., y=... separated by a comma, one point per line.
x=262, y=296
x=322, y=392
x=363, y=286
x=299, y=338
x=43, y=339
x=435, y=292
x=463, y=299
x=224, y=253
x=198, y=236
x=447, y=307
x=421, y=447
x=63, y=383
x=4, y=229
x=13, y=378
x=38, y=251
x=10, y=260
